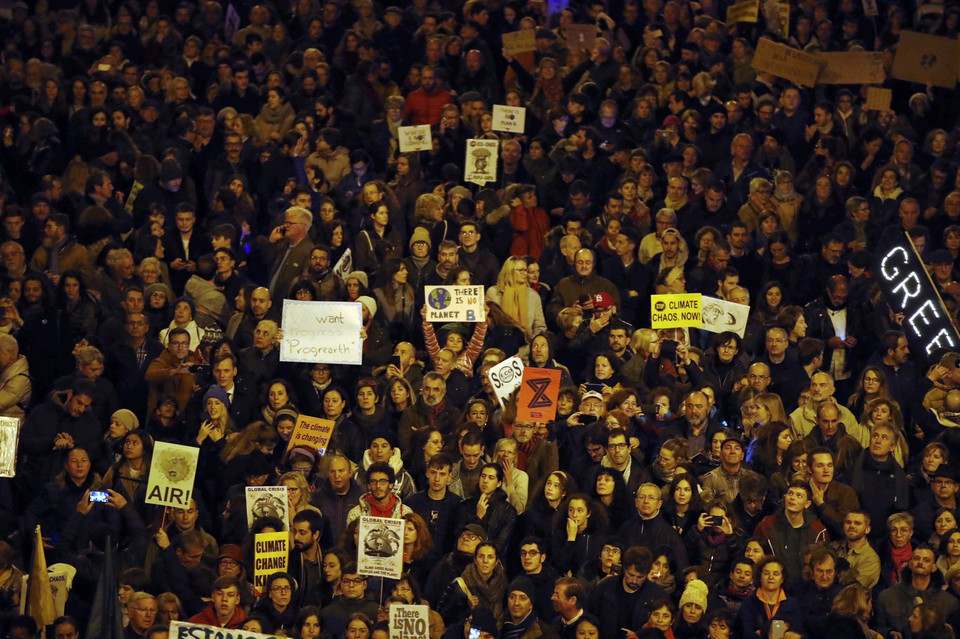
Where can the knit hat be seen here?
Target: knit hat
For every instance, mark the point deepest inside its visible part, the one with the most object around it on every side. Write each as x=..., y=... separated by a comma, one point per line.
x=231, y=551
x=482, y=619
x=461, y=190
x=384, y=433
x=217, y=392
x=524, y=585
x=127, y=419
x=420, y=234
x=695, y=592
x=361, y=277
x=369, y=303
x=170, y=170
x=159, y=286
x=306, y=452
x=287, y=412
x=950, y=360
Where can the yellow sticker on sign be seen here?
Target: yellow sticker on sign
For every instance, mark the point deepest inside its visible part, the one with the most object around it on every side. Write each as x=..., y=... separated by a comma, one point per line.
x=675, y=311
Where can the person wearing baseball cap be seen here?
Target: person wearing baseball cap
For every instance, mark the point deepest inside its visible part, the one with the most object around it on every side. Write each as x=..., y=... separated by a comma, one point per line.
x=724, y=481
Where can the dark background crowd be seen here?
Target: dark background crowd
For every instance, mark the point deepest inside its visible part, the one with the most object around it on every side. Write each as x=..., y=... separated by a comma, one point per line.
x=171, y=172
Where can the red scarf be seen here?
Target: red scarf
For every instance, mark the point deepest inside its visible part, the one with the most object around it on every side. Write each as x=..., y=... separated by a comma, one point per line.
x=376, y=510
x=900, y=557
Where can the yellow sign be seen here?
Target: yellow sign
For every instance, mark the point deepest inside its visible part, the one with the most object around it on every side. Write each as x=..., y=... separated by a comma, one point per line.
x=676, y=311
x=878, y=99
x=270, y=556
x=746, y=11
x=311, y=432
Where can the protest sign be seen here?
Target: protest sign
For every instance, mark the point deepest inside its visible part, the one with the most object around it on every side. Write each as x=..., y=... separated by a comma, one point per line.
x=720, y=316
x=925, y=58
x=505, y=378
x=908, y=290
x=509, y=119
x=266, y=501
x=455, y=303
x=851, y=67
x=786, y=62
x=409, y=621
x=61, y=578
x=539, y=390
x=870, y=8
x=581, y=36
x=675, y=311
x=344, y=265
x=519, y=41
x=481, y=162
x=415, y=138
x=184, y=630
x=327, y=332
x=270, y=551
x=172, y=470
x=380, y=552
x=9, y=437
x=311, y=432
x=746, y=11
x=878, y=99
x=783, y=11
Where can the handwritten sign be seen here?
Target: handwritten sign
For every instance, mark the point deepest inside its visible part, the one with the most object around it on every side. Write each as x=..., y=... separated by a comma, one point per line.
x=519, y=41
x=509, y=119
x=311, y=432
x=380, y=551
x=925, y=58
x=783, y=16
x=675, y=311
x=455, y=303
x=327, y=332
x=9, y=436
x=505, y=378
x=908, y=289
x=720, y=316
x=878, y=99
x=539, y=391
x=270, y=552
x=851, y=67
x=409, y=621
x=746, y=11
x=184, y=630
x=481, y=161
x=415, y=138
x=786, y=62
x=173, y=469
x=581, y=36
x=266, y=501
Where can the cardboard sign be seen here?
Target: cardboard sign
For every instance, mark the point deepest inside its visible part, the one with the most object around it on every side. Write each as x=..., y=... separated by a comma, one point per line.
x=344, y=265
x=172, y=470
x=481, y=162
x=267, y=501
x=852, y=67
x=581, y=36
x=878, y=99
x=908, y=289
x=539, y=391
x=675, y=311
x=184, y=630
x=924, y=58
x=786, y=62
x=270, y=553
x=505, y=378
x=327, y=332
x=415, y=138
x=519, y=41
x=409, y=621
x=509, y=119
x=746, y=11
x=380, y=552
x=870, y=8
x=783, y=11
x=720, y=316
x=455, y=303
x=9, y=438
x=311, y=432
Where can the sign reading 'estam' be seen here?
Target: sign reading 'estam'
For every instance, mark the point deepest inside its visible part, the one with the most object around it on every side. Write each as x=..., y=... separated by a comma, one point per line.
x=455, y=303
x=675, y=311
x=185, y=630
x=324, y=332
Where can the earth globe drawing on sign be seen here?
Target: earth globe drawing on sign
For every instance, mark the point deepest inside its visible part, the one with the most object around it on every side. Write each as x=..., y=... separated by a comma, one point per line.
x=439, y=298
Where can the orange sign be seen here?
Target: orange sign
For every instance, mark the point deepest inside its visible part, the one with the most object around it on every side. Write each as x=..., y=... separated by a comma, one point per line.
x=539, y=391
x=311, y=432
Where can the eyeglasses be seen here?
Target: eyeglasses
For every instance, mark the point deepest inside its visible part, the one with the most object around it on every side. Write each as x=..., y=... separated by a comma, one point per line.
x=356, y=581
x=529, y=553
x=378, y=482
x=146, y=611
x=616, y=446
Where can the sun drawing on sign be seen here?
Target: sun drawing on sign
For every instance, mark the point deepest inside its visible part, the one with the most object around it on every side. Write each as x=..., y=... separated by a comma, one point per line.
x=175, y=467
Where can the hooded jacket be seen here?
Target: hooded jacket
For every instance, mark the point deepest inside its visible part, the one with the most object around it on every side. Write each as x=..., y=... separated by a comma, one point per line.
x=403, y=487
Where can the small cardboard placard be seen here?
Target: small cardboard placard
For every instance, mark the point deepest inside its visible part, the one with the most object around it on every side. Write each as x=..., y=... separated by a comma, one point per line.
x=327, y=332
x=581, y=36
x=415, y=138
x=173, y=469
x=505, y=378
x=455, y=303
x=923, y=58
x=676, y=311
x=870, y=8
x=509, y=119
x=720, y=316
x=878, y=99
x=852, y=67
x=786, y=62
x=745, y=11
x=380, y=548
x=267, y=501
x=519, y=41
x=311, y=432
x=270, y=553
x=539, y=391
x=481, y=161
x=9, y=437
x=409, y=621
x=185, y=630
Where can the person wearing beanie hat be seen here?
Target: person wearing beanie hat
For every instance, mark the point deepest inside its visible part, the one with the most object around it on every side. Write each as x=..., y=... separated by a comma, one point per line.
x=384, y=448
x=369, y=305
x=216, y=404
x=483, y=619
x=170, y=172
x=522, y=620
x=420, y=234
x=360, y=276
x=125, y=420
x=694, y=594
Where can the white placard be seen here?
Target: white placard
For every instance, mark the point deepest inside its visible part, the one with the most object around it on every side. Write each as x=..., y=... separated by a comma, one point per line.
x=380, y=548
x=344, y=265
x=9, y=436
x=184, y=630
x=327, y=332
x=505, y=378
x=173, y=469
x=455, y=303
x=409, y=621
x=720, y=315
x=480, y=166
x=415, y=138
x=267, y=501
x=509, y=119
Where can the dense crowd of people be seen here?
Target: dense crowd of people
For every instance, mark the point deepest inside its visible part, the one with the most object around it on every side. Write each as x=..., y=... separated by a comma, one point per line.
x=171, y=172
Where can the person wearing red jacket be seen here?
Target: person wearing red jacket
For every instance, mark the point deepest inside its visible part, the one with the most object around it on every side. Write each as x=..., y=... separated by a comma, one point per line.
x=425, y=105
x=530, y=223
x=224, y=610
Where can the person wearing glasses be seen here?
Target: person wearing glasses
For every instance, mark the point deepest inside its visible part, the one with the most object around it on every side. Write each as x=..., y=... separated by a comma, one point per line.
x=288, y=251
x=142, y=609
x=379, y=501
x=275, y=602
x=169, y=373
x=337, y=615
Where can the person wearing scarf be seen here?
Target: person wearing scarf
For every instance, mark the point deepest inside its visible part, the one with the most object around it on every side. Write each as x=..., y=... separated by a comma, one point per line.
x=522, y=617
x=786, y=202
x=769, y=602
x=482, y=583
x=276, y=117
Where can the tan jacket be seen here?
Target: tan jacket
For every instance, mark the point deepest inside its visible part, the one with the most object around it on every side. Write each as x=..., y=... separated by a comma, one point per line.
x=15, y=388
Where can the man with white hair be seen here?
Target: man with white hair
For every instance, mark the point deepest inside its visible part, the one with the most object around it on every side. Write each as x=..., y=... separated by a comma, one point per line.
x=15, y=384
x=288, y=251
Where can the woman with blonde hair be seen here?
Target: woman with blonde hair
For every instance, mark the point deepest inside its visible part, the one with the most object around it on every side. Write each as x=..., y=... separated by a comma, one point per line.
x=516, y=482
x=886, y=411
x=770, y=409
x=850, y=613
x=298, y=493
x=515, y=297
